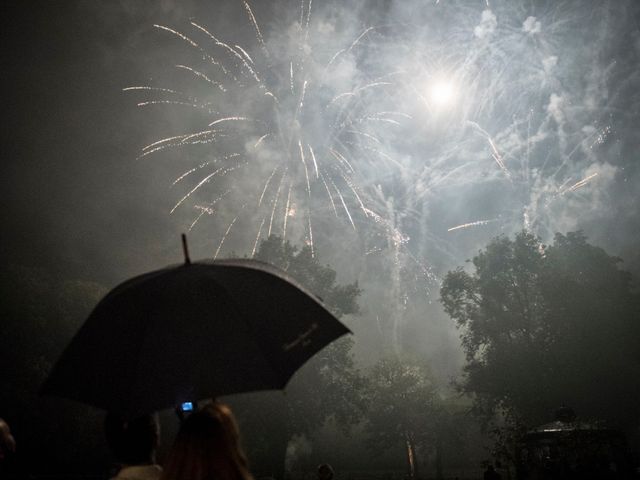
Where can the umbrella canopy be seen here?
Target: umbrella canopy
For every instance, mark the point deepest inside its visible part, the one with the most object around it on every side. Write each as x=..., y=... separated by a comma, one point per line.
x=189, y=332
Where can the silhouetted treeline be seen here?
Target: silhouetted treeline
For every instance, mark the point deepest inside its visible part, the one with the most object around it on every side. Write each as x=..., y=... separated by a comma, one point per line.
x=544, y=326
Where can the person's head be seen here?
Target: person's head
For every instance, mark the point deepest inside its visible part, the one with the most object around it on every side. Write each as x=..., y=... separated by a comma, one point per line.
x=325, y=472
x=208, y=447
x=132, y=442
x=7, y=442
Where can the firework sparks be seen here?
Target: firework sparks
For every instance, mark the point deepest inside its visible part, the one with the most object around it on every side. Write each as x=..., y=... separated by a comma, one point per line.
x=514, y=107
x=224, y=237
x=305, y=136
x=471, y=224
x=491, y=115
x=579, y=184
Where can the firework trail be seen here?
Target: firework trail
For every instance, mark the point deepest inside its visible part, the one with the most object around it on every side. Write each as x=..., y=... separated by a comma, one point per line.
x=579, y=184
x=471, y=224
x=300, y=136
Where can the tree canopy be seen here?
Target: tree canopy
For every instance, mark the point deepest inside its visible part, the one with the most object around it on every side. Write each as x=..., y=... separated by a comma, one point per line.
x=403, y=401
x=408, y=410
x=544, y=326
x=403, y=407
x=319, y=279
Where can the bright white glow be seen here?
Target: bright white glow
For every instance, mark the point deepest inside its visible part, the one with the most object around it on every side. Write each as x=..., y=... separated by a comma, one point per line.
x=442, y=93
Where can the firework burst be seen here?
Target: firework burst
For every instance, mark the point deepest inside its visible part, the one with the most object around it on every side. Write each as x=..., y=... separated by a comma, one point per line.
x=280, y=130
x=510, y=118
x=462, y=121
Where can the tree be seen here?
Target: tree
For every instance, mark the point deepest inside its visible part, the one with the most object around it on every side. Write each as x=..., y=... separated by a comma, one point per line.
x=543, y=326
x=409, y=412
x=403, y=407
x=328, y=386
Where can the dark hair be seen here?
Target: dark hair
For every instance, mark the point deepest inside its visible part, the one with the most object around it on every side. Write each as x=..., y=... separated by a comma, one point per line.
x=133, y=441
x=325, y=471
x=208, y=447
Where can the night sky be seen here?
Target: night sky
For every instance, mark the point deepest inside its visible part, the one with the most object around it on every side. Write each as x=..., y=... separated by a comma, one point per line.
x=508, y=115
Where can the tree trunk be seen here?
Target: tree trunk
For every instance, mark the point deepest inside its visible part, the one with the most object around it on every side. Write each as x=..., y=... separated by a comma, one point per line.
x=412, y=466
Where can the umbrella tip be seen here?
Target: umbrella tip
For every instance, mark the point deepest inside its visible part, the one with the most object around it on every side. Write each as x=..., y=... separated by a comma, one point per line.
x=185, y=249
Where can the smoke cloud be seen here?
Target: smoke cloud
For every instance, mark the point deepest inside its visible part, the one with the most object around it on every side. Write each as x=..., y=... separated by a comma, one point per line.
x=536, y=132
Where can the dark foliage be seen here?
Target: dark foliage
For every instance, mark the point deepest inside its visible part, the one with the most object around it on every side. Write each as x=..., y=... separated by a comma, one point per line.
x=40, y=313
x=543, y=326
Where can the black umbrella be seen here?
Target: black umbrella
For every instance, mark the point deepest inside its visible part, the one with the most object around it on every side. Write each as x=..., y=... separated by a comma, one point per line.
x=190, y=332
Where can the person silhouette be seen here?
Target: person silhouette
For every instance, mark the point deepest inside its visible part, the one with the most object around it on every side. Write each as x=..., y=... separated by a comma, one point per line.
x=134, y=443
x=491, y=474
x=325, y=472
x=208, y=446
